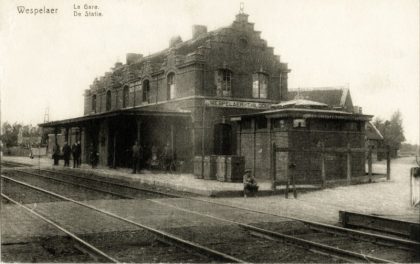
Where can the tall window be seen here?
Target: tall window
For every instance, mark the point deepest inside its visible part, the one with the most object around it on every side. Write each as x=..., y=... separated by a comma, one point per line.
x=259, y=85
x=94, y=103
x=108, y=101
x=146, y=91
x=171, y=86
x=223, y=82
x=125, y=96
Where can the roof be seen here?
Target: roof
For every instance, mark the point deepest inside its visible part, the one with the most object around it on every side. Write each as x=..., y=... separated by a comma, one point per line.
x=299, y=103
x=116, y=113
x=332, y=96
x=306, y=113
x=372, y=132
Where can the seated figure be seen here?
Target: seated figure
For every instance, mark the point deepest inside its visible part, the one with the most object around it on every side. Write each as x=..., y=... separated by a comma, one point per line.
x=250, y=184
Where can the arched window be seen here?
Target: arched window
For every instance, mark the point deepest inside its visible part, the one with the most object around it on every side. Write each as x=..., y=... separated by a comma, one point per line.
x=224, y=82
x=259, y=85
x=108, y=101
x=171, y=86
x=125, y=96
x=94, y=103
x=146, y=91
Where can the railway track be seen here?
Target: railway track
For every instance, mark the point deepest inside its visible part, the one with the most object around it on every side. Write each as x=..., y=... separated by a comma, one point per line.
x=105, y=185
x=334, y=233
x=164, y=237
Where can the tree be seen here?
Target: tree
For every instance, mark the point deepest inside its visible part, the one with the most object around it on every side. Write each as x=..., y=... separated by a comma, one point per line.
x=10, y=134
x=395, y=133
x=392, y=130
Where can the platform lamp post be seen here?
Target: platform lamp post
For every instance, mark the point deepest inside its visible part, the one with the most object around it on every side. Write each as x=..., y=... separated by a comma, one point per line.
x=202, y=139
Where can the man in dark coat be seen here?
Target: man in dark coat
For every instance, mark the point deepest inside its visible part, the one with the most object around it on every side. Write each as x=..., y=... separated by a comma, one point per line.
x=66, y=154
x=56, y=154
x=76, y=150
x=167, y=157
x=136, y=151
x=93, y=155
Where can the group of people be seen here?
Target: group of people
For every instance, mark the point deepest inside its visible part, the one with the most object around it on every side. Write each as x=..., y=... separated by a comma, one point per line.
x=166, y=157
x=153, y=159
x=75, y=150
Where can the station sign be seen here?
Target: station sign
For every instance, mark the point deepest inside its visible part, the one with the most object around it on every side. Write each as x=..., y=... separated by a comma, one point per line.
x=236, y=104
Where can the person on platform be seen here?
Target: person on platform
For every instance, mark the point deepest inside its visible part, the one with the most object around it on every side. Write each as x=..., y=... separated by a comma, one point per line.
x=56, y=154
x=136, y=151
x=93, y=156
x=250, y=184
x=166, y=157
x=76, y=151
x=79, y=154
x=66, y=154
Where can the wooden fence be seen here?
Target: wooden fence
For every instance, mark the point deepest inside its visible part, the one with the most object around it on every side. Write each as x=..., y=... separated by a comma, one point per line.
x=323, y=151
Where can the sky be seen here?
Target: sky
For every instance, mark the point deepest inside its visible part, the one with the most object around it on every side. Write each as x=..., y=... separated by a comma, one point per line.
x=372, y=47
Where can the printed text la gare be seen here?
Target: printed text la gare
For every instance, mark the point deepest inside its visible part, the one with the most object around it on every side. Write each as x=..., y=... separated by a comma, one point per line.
x=86, y=10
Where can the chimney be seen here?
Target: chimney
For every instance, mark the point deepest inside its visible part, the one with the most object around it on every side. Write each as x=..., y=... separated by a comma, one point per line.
x=175, y=40
x=132, y=57
x=357, y=109
x=198, y=30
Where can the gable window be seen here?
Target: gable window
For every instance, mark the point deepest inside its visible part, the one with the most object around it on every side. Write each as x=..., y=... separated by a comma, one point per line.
x=125, y=96
x=108, y=101
x=297, y=123
x=259, y=85
x=94, y=103
x=223, y=82
x=146, y=91
x=171, y=86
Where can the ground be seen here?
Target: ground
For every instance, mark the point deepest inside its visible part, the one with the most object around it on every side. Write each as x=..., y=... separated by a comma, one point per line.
x=387, y=198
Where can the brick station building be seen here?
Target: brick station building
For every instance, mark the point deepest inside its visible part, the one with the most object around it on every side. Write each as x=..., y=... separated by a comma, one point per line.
x=185, y=96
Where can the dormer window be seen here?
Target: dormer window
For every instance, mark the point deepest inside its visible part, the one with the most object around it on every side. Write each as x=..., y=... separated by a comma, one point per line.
x=259, y=85
x=146, y=91
x=125, y=96
x=94, y=103
x=223, y=82
x=108, y=101
x=171, y=86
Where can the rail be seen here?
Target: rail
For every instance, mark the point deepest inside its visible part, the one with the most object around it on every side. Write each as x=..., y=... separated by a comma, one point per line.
x=414, y=245
x=161, y=235
x=91, y=250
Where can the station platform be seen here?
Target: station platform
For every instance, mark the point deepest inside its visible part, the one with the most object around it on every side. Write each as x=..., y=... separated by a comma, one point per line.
x=183, y=182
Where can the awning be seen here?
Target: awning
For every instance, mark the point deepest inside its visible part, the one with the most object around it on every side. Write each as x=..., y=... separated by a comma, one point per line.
x=305, y=113
x=80, y=121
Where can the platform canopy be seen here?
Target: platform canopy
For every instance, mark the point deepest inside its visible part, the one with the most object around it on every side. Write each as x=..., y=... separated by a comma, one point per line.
x=81, y=121
x=305, y=113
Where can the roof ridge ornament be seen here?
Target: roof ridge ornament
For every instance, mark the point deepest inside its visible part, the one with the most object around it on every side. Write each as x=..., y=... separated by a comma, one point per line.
x=241, y=8
x=299, y=96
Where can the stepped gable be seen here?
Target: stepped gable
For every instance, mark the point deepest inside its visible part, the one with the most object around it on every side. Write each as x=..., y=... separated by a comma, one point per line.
x=232, y=44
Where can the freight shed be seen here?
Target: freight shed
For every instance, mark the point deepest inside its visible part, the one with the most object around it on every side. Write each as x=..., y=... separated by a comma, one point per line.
x=304, y=140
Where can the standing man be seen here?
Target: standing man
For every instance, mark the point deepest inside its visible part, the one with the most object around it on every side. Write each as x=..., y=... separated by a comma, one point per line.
x=79, y=154
x=93, y=155
x=56, y=154
x=167, y=157
x=76, y=151
x=66, y=154
x=136, y=155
